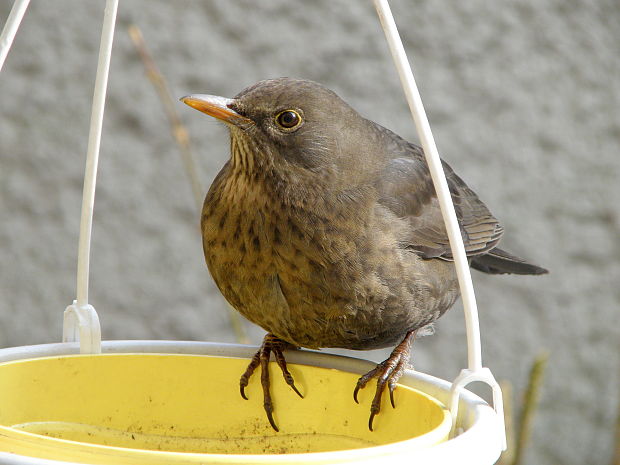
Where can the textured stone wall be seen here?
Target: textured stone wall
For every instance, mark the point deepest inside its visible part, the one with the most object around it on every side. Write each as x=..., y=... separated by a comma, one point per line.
x=523, y=99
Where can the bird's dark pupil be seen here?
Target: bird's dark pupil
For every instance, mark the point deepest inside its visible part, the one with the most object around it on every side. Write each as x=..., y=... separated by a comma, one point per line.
x=288, y=119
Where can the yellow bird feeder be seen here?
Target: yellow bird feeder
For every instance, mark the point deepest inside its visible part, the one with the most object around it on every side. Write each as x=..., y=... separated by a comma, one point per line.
x=157, y=402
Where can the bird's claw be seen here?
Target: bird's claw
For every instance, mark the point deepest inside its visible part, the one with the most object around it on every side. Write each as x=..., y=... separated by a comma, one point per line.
x=296, y=391
x=391, y=387
x=363, y=381
x=269, y=411
x=271, y=344
x=277, y=351
x=372, y=416
x=245, y=377
x=387, y=373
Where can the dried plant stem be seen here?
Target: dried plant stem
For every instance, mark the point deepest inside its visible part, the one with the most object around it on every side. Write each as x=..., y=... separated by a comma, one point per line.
x=181, y=136
x=616, y=458
x=530, y=404
x=178, y=129
x=507, y=457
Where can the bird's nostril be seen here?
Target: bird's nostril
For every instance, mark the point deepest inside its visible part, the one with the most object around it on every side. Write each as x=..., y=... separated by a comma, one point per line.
x=236, y=109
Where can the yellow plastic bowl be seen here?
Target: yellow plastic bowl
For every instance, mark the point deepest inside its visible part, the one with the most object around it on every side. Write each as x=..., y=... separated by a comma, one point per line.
x=173, y=409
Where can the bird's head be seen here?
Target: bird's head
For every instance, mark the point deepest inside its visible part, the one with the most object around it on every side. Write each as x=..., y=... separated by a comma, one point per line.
x=290, y=123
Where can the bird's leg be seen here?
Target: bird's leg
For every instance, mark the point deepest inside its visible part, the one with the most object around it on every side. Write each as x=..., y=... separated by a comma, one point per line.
x=270, y=344
x=387, y=372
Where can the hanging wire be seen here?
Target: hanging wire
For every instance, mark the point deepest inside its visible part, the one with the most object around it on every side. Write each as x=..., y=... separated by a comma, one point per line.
x=439, y=180
x=475, y=370
x=10, y=28
x=92, y=154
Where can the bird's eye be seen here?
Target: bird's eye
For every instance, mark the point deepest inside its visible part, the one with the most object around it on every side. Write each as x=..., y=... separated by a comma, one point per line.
x=288, y=119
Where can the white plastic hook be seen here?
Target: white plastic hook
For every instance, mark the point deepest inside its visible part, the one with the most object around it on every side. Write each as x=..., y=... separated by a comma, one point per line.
x=81, y=323
x=483, y=375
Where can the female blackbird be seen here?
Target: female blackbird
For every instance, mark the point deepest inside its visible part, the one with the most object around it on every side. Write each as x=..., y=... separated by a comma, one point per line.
x=324, y=228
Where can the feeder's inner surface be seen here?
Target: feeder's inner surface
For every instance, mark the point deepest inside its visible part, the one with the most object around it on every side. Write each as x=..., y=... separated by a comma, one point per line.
x=189, y=403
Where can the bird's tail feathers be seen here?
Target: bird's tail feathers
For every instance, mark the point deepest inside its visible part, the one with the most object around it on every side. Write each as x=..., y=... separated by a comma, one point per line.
x=498, y=261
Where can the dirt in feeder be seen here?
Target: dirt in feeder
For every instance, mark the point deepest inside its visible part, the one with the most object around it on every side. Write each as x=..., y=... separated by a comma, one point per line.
x=237, y=444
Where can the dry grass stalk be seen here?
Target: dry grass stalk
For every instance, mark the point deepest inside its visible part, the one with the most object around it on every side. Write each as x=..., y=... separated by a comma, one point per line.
x=530, y=404
x=181, y=136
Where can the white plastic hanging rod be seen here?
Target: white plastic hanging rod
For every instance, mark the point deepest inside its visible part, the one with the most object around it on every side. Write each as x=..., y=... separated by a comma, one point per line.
x=475, y=370
x=92, y=155
x=10, y=28
x=474, y=356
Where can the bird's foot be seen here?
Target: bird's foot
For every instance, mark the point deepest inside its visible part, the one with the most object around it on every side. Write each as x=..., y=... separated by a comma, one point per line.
x=271, y=344
x=387, y=373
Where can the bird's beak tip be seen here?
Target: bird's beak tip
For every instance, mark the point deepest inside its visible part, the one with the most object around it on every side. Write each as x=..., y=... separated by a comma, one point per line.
x=201, y=102
x=218, y=107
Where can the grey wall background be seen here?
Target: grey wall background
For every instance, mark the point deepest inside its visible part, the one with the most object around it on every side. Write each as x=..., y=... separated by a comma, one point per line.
x=523, y=99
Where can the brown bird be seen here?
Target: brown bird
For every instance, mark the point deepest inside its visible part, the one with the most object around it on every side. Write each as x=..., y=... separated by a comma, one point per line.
x=324, y=229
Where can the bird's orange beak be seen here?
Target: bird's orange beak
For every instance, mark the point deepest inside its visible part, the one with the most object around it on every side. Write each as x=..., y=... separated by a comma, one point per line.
x=218, y=107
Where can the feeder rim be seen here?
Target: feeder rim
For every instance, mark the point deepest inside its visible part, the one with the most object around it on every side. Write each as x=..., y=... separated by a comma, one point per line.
x=480, y=421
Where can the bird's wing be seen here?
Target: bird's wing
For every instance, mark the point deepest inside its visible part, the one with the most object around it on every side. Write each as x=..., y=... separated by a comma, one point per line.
x=405, y=187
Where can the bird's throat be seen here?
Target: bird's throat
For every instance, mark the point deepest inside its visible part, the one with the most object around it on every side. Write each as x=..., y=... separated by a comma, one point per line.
x=245, y=155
